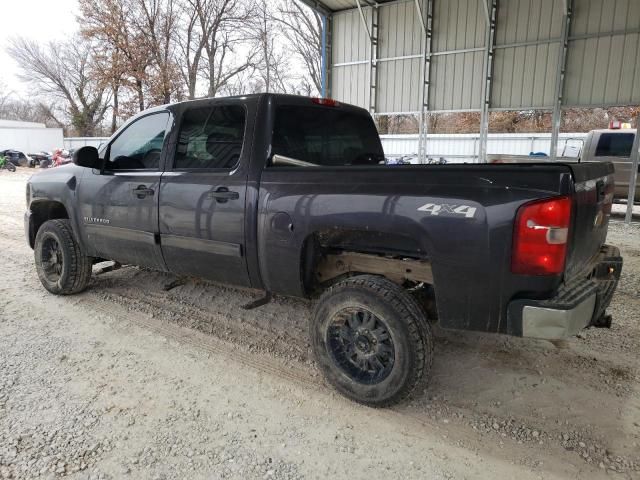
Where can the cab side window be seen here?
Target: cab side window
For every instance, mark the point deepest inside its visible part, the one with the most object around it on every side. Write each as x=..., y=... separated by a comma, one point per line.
x=211, y=138
x=139, y=146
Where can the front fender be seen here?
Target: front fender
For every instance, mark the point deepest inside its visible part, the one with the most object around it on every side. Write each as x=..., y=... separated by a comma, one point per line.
x=49, y=190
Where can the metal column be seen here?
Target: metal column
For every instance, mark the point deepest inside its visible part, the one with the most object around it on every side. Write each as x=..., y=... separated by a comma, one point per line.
x=490, y=36
x=635, y=159
x=326, y=56
x=373, y=61
x=559, y=89
x=425, y=77
x=372, y=32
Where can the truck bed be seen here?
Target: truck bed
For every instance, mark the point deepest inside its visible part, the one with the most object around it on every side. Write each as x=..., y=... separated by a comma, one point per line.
x=458, y=217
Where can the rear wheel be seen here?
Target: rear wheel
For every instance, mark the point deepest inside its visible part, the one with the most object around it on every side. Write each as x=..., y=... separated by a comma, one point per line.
x=371, y=340
x=62, y=267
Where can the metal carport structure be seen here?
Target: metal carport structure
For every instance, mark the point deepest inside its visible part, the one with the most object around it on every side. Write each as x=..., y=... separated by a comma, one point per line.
x=436, y=56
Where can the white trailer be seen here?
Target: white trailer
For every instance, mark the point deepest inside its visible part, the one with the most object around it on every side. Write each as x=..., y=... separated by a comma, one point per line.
x=29, y=137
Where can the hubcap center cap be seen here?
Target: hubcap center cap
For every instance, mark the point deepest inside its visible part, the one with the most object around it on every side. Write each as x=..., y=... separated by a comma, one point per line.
x=363, y=344
x=360, y=345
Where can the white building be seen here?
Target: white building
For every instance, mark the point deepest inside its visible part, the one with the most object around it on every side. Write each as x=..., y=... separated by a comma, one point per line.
x=29, y=137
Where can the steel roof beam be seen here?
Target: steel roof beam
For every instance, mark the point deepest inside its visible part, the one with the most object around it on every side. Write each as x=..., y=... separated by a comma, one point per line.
x=425, y=78
x=487, y=15
x=364, y=21
x=487, y=82
x=560, y=74
x=318, y=7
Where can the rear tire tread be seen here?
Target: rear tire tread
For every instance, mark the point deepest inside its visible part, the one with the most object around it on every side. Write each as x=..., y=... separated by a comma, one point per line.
x=411, y=314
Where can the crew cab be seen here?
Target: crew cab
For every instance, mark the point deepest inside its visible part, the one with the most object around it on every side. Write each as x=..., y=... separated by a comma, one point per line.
x=291, y=196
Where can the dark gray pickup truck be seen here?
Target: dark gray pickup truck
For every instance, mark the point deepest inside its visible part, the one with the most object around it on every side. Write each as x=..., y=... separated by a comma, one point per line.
x=291, y=196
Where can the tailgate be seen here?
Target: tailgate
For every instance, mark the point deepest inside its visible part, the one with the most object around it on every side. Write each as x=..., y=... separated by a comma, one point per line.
x=593, y=196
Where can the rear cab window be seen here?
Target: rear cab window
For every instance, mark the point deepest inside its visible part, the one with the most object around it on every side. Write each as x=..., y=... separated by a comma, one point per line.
x=325, y=137
x=615, y=145
x=211, y=138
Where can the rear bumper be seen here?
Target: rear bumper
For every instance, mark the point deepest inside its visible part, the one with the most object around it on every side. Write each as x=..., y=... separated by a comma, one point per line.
x=555, y=323
x=578, y=304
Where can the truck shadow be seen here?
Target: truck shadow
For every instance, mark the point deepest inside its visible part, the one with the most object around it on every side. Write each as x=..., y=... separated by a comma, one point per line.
x=585, y=391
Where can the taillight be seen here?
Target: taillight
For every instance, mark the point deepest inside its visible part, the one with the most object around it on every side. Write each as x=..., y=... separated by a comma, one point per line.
x=327, y=102
x=540, y=237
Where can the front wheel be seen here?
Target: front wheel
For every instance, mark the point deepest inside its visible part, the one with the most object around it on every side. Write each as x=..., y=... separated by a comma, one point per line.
x=371, y=340
x=10, y=166
x=62, y=267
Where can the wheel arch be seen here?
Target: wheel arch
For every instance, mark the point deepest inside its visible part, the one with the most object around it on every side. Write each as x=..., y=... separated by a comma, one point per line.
x=41, y=211
x=331, y=255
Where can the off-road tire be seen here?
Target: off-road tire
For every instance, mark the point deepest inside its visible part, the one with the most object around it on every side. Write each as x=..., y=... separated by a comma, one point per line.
x=76, y=266
x=405, y=320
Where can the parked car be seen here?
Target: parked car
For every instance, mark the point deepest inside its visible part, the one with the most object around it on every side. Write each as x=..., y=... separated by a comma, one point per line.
x=18, y=158
x=41, y=159
x=290, y=195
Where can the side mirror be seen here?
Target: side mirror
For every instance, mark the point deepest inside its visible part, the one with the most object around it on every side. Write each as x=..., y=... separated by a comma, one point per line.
x=87, y=157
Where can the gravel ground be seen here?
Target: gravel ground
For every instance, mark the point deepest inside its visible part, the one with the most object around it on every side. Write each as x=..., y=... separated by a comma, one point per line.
x=129, y=381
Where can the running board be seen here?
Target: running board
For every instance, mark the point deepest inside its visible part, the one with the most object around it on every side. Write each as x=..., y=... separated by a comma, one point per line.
x=259, y=302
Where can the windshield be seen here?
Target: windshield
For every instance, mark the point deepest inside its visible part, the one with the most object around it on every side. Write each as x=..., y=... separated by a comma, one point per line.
x=326, y=136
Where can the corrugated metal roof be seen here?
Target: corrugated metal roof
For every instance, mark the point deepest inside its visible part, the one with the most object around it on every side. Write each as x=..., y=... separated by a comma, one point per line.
x=602, y=66
x=524, y=75
x=337, y=5
x=604, y=69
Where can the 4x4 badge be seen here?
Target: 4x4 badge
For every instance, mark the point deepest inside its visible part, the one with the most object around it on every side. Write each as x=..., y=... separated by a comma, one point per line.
x=447, y=210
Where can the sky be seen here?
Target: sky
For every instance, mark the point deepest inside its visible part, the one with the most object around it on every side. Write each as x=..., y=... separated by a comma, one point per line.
x=40, y=20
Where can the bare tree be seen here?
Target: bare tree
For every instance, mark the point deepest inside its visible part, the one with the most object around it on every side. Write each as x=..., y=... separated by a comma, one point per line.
x=5, y=96
x=12, y=107
x=212, y=43
x=157, y=22
x=109, y=24
x=303, y=31
x=62, y=71
x=273, y=64
x=191, y=45
x=109, y=69
x=243, y=83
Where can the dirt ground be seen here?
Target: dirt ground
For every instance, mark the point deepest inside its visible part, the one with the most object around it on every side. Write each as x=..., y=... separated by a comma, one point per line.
x=129, y=381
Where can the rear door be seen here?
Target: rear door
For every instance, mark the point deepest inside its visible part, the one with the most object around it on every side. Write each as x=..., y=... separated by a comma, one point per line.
x=119, y=204
x=202, y=196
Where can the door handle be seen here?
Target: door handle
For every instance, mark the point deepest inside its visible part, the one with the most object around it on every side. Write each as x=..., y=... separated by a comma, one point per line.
x=223, y=194
x=141, y=191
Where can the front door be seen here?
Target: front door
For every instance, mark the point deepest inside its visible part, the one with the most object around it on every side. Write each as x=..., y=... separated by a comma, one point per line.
x=120, y=203
x=202, y=196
